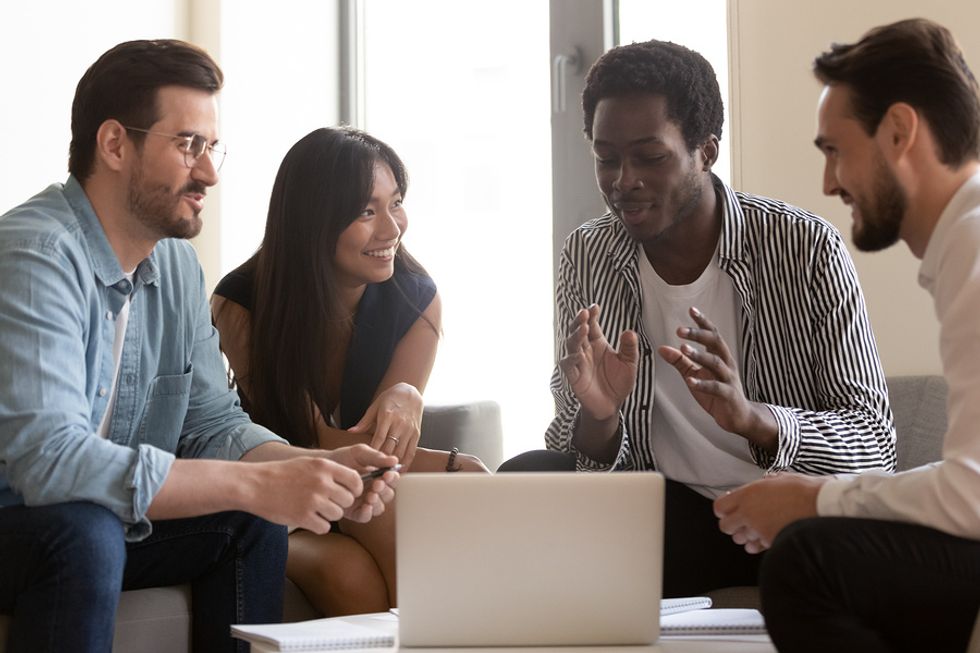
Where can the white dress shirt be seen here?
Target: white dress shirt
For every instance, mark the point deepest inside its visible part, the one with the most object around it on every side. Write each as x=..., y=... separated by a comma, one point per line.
x=943, y=495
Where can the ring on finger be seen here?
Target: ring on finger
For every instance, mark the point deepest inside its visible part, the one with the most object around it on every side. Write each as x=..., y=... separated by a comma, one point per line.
x=392, y=438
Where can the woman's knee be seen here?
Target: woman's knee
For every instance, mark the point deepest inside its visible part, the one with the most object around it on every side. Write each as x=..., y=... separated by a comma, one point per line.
x=337, y=574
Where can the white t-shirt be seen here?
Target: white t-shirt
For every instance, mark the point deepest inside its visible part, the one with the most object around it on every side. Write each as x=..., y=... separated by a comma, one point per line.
x=122, y=320
x=688, y=444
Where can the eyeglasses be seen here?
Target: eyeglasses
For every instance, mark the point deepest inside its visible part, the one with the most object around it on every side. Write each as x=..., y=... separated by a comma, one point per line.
x=193, y=147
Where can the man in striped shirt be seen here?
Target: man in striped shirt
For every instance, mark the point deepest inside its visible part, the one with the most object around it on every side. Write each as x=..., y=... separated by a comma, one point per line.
x=744, y=344
x=893, y=561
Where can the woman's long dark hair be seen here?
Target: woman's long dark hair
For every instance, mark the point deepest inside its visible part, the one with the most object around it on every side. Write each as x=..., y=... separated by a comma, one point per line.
x=323, y=184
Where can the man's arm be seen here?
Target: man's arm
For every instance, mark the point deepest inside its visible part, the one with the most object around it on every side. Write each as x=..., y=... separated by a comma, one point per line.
x=598, y=440
x=850, y=429
x=284, y=484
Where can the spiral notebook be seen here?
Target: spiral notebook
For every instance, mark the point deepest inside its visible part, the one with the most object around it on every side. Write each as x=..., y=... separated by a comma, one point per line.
x=722, y=621
x=334, y=634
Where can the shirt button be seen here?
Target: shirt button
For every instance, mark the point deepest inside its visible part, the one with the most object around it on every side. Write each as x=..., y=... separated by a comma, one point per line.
x=108, y=315
x=102, y=392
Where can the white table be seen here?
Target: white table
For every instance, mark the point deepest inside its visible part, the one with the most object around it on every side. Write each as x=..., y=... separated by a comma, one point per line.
x=703, y=644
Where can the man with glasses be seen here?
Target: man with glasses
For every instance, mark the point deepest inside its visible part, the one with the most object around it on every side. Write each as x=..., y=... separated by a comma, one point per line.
x=120, y=441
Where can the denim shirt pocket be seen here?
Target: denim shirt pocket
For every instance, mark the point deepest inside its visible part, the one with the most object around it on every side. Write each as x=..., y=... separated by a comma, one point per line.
x=166, y=407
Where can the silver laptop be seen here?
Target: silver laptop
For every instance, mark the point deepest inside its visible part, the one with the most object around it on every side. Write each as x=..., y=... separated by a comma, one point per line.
x=521, y=559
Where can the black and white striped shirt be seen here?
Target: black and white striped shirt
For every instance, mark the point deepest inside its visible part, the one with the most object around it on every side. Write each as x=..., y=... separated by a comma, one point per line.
x=808, y=351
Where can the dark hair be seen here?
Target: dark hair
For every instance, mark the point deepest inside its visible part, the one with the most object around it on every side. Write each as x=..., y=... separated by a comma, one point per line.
x=915, y=61
x=682, y=76
x=123, y=83
x=323, y=184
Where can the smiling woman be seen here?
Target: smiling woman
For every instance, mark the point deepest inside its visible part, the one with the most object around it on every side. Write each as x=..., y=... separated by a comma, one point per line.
x=331, y=331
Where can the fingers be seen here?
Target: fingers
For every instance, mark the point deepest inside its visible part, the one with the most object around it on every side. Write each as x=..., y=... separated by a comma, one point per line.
x=389, y=441
x=629, y=347
x=595, y=331
x=373, y=502
x=320, y=525
x=725, y=504
x=684, y=365
x=325, y=491
x=578, y=332
x=756, y=546
x=363, y=458
x=707, y=335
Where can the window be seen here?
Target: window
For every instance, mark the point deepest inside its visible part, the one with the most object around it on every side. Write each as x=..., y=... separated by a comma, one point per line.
x=465, y=103
x=703, y=28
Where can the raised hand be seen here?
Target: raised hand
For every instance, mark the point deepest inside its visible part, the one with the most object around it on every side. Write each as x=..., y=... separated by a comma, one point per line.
x=395, y=417
x=712, y=377
x=600, y=377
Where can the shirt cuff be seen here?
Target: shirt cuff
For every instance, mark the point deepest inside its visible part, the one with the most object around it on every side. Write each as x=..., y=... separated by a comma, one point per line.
x=788, y=439
x=584, y=463
x=148, y=476
x=829, y=503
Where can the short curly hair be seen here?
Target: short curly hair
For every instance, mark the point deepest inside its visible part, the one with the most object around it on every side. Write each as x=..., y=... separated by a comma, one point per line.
x=682, y=76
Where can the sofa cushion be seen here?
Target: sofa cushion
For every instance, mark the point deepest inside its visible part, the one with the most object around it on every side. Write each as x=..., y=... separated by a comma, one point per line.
x=919, y=406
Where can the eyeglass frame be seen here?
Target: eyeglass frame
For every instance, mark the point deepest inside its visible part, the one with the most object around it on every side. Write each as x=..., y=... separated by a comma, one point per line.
x=188, y=148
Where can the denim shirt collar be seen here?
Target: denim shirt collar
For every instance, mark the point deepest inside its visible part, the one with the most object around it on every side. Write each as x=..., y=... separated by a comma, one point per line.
x=105, y=263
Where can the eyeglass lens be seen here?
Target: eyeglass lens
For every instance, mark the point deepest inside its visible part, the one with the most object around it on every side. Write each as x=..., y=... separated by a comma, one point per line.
x=198, y=145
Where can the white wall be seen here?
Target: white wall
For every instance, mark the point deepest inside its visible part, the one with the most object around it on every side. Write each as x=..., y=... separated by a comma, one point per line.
x=280, y=65
x=281, y=82
x=45, y=50
x=774, y=97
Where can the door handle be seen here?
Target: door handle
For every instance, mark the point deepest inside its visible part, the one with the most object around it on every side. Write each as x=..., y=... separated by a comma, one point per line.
x=562, y=66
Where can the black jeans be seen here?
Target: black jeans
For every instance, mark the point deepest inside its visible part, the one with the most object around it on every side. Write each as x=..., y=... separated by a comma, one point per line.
x=63, y=566
x=839, y=584
x=698, y=557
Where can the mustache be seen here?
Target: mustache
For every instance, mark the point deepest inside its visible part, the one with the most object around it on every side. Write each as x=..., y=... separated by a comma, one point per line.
x=195, y=187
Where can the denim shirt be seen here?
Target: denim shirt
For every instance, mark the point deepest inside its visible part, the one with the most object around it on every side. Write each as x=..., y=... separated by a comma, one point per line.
x=61, y=287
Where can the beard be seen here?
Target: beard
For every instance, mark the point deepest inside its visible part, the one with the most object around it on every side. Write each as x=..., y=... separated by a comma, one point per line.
x=880, y=222
x=156, y=207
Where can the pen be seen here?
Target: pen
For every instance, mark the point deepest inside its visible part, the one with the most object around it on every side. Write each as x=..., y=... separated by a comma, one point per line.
x=377, y=473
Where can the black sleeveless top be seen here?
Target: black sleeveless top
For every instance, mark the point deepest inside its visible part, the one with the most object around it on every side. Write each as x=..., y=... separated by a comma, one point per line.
x=384, y=315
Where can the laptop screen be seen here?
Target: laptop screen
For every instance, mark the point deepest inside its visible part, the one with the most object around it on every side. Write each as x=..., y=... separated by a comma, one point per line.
x=529, y=559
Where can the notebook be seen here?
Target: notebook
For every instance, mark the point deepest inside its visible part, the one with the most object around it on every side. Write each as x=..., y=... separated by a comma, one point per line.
x=723, y=621
x=527, y=559
x=336, y=634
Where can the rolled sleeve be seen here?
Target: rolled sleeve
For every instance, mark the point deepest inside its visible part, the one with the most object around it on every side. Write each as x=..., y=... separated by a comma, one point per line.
x=148, y=476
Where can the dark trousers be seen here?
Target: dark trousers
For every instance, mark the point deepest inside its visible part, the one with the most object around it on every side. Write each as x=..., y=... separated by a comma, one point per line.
x=839, y=584
x=698, y=557
x=63, y=566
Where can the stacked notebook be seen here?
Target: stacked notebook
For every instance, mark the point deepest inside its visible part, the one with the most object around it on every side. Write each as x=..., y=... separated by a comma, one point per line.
x=721, y=621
